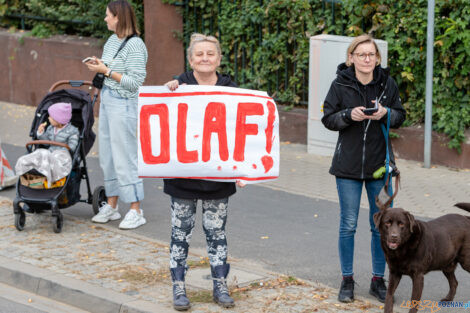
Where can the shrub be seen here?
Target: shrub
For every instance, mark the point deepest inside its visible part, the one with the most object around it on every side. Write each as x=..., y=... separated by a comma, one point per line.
x=49, y=17
x=266, y=46
x=266, y=43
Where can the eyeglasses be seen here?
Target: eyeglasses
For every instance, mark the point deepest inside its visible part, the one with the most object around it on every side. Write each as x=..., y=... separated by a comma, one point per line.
x=363, y=56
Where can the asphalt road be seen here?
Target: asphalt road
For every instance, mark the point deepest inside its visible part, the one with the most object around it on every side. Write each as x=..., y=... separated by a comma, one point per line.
x=14, y=300
x=7, y=306
x=300, y=234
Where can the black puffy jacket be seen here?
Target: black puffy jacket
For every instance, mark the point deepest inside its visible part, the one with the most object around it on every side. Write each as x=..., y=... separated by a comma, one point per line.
x=198, y=188
x=360, y=149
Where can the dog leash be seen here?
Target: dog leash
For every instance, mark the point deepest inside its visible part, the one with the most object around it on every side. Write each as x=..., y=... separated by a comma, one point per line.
x=388, y=174
x=386, y=132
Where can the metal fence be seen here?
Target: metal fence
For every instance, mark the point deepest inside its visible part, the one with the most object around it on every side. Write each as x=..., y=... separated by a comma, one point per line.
x=23, y=18
x=240, y=59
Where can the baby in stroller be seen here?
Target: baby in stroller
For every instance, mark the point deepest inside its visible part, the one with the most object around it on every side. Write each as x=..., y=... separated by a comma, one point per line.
x=54, y=163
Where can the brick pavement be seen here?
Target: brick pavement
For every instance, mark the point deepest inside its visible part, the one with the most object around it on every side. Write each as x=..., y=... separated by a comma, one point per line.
x=78, y=251
x=136, y=266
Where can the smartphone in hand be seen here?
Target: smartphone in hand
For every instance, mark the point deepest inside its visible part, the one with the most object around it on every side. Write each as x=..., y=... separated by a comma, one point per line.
x=370, y=111
x=85, y=60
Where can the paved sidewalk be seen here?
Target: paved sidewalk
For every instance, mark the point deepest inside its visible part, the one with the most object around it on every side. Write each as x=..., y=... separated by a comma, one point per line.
x=424, y=192
x=95, y=267
x=103, y=269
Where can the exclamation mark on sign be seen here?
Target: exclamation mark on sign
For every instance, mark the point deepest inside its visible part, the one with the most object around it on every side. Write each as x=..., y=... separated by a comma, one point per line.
x=267, y=160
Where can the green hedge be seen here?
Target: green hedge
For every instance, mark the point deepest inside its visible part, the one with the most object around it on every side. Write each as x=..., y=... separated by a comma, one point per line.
x=268, y=42
x=273, y=36
x=76, y=17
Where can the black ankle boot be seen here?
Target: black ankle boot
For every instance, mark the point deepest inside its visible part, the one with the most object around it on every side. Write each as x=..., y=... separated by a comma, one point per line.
x=346, y=292
x=220, y=292
x=180, y=301
x=378, y=289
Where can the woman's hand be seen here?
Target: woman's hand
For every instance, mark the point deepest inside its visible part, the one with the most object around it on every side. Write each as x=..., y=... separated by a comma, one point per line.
x=381, y=112
x=172, y=84
x=96, y=65
x=358, y=115
x=240, y=183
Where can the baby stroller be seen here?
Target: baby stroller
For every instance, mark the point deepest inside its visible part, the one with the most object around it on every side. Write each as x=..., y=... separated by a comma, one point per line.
x=33, y=200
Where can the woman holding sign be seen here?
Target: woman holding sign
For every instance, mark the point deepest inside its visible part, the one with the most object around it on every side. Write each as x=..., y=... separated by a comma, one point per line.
x=204, y=56
x=123, y=65
x=361, y=98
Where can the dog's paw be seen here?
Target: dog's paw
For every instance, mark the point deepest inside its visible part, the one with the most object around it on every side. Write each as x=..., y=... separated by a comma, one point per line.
x=446, y=299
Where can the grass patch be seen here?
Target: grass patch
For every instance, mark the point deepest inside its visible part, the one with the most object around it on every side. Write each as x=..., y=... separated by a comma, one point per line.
x=141, y=275
x=280, y=282
x=201, y=296
x=203, y=262
x=205, y=296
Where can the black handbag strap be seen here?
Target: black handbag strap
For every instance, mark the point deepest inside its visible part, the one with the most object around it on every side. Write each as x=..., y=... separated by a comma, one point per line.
x=123, y=44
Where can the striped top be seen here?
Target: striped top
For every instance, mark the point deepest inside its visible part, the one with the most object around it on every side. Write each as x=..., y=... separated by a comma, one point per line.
x=130, y=62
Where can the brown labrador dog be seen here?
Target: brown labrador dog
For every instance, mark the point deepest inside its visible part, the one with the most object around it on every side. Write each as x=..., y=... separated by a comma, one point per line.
x=414, y=248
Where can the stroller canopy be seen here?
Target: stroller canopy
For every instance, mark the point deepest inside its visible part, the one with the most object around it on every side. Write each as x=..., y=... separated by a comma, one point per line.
x=82, y=113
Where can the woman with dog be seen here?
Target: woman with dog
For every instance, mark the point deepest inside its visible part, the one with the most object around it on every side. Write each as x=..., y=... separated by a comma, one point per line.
x=358, y=102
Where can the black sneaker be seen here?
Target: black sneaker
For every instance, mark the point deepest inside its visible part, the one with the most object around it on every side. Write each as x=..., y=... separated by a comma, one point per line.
x=378, y=289
x=346, y=292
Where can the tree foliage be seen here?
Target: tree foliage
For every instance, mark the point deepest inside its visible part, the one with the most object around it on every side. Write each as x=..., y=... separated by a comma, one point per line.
x=266, y=43
x=273, y=39
x=49, y=17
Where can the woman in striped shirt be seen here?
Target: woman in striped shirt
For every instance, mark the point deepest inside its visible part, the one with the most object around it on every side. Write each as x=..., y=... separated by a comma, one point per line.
x=123, y=64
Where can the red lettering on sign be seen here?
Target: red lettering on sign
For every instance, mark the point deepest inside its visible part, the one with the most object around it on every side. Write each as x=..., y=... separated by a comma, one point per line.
x=243, y=129
x=270, y=126
x=267, y=160
x=184, y=156
x=145, y=137
x=215, y=122
x=267, y=163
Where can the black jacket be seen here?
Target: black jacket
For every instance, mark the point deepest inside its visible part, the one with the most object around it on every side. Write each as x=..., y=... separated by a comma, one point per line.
x=197, y=188
x=360, y=149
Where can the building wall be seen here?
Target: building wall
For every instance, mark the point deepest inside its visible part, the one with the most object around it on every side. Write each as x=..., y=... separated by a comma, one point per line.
x=166, y=55
x=29, y=66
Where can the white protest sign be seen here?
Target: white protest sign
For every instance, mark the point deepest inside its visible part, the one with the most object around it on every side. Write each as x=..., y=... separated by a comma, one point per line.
x=208, y=132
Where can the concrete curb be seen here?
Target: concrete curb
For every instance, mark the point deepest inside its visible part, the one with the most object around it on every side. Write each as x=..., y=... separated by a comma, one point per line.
x=71, y=291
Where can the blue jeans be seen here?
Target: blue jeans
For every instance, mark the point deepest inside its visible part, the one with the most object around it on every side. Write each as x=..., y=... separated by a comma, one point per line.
x=118, y=146
x=349, y=193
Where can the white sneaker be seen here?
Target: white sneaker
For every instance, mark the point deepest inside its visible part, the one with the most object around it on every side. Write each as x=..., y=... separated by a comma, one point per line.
x=106, y=214
x=133, y=220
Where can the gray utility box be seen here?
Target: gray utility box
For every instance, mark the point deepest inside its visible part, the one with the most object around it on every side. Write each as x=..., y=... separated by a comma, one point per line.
x=326, y=53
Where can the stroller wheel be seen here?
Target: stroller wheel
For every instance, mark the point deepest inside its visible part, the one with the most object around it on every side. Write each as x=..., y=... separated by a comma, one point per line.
x=58, y=221
x=99, y=196
x=20, y=220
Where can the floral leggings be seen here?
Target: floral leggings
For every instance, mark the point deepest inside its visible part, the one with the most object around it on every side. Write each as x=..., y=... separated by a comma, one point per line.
x=214, y=218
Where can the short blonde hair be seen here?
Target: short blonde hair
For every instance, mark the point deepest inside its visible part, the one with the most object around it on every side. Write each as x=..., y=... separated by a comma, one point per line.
x=197, y=37
x=127, y=22
x=358, y=41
